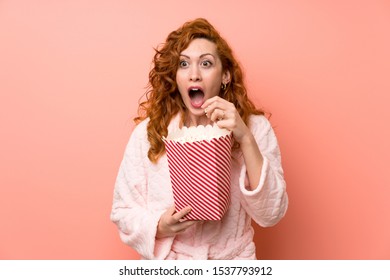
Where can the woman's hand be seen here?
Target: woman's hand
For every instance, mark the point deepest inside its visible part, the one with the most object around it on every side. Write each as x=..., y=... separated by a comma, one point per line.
x=226, y=116
x=171, y=222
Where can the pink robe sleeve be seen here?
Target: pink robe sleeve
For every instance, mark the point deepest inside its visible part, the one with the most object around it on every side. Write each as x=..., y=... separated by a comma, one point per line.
x=135, y=217
x=268, y=202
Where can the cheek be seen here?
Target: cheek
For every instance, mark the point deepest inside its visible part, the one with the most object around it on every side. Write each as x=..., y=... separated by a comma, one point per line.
x=181, y=89
x=181, y=85
x=215, y=83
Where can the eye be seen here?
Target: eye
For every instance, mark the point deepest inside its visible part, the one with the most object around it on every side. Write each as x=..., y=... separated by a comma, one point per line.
x=183, y=64
x=206, y=63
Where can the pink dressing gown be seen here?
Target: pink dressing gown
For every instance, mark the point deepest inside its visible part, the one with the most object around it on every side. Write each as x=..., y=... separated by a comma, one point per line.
x=143, y=193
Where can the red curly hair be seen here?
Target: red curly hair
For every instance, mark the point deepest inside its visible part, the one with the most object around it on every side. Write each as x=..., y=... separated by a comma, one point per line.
x=163, y=100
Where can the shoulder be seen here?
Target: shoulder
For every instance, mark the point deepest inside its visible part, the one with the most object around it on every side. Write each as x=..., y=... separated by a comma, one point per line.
x=139, y=136
x=140, y=129
x=141, y=126
x=259, y=124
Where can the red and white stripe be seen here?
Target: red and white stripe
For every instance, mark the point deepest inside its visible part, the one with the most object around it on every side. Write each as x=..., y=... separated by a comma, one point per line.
x=200, y=176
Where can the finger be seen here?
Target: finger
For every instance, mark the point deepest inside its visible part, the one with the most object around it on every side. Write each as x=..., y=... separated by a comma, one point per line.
x=171, y=210
x=226, y=124
x=183, y=212
x=213, y=103
x=211, y=100
x=210, y=110
x=169, y=214
x=221, y=106
x=217, y=114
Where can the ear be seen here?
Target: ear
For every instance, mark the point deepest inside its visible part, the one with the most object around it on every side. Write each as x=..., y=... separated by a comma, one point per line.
x=226, y=77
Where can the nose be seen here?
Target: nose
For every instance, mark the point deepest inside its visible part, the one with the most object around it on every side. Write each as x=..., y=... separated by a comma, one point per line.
x=195, y=74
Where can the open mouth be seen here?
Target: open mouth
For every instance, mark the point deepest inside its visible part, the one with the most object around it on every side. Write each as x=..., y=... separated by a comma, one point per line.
x=196, y=96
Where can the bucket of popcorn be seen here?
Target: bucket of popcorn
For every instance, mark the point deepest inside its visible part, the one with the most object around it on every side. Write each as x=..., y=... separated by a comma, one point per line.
x=199, y=160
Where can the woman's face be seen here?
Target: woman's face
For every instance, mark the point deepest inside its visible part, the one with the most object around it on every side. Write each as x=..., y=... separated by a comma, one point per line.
x=200, y=75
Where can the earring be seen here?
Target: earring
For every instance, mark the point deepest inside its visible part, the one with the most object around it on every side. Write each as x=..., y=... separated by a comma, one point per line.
x=223, y=86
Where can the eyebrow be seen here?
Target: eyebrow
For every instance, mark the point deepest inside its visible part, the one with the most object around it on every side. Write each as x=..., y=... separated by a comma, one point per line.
x=202, y=55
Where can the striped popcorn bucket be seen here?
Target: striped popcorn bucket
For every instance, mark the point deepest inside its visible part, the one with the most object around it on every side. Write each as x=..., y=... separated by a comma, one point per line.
x=200, y=175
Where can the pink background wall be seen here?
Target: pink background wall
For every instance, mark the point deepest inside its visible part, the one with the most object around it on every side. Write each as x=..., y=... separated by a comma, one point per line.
x=71, y=74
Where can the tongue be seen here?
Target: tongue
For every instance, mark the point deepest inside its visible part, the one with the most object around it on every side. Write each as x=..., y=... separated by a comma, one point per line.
x=197, y=99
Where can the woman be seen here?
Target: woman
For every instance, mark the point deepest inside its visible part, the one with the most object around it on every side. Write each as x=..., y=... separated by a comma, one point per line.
x=197, y=81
